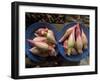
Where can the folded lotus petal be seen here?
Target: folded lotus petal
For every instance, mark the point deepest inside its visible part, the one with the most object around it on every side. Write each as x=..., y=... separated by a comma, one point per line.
x=84, y=40
x=67, y=33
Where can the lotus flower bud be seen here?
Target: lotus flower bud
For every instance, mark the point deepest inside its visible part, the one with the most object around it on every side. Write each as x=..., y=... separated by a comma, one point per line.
x=50, y=37
x=79, y=44
x=71, y=39
x=67, y=33
x=71, y=42
x=84, y=40
x=38, y=52
x=37, y=39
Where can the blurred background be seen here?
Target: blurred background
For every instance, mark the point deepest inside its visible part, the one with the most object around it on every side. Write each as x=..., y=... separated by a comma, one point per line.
x=59, y=19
